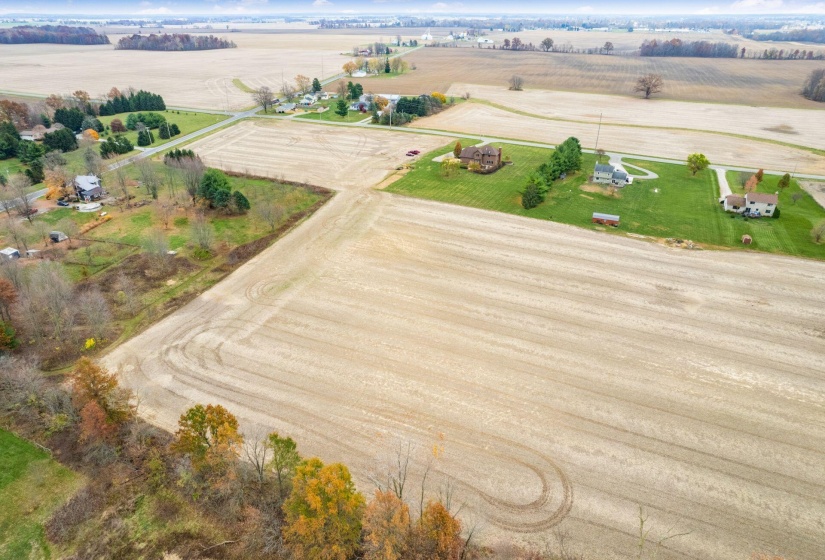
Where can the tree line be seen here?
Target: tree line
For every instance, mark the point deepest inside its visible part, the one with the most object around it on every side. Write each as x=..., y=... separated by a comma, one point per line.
x=700, y=49
x=258, y=488
x=173, y=42
x=567, y=157
x=135, y=101
x=814, y=87
x=60, y=34
x=801, y=35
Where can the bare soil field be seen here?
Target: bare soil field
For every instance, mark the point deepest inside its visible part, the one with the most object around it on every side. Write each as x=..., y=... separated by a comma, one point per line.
x=733, y=81
x=320, y=155
x=478, y=119
x=199, y=79
x=564, y=376
x=794, y=126
x=624, y=42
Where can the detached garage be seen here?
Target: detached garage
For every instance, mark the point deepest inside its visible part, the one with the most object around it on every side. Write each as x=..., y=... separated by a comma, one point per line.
x=9, y=254
x=606, y=219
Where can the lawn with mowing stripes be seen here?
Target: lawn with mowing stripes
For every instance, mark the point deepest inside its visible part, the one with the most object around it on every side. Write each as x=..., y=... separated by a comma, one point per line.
x=676, y=205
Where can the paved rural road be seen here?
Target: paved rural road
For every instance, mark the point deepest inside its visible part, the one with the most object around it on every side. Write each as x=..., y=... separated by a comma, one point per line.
x=566, y=376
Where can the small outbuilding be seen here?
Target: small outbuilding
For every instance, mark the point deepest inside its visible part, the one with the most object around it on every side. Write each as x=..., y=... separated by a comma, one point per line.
x=285, y=108
x=57, y=236
x=747, y=239
x=9, y=254
x=606, y=219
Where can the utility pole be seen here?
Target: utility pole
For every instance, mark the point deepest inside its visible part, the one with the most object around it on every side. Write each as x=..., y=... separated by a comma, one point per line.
x=598, y=132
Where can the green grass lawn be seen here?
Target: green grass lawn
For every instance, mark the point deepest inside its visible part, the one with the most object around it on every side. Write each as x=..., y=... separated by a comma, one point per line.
x=675, y=205
x=241, y=86
x=32, y=486
x=188, y=122
x=332, y=116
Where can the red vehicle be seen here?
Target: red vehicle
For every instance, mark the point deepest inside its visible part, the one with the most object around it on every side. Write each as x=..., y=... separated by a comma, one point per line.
x=30, y=212
x=413, y=153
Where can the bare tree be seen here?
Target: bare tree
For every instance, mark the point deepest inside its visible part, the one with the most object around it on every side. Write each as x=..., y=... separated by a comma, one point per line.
x=92, y=162
x=18, y=233
x=171, y=181
x=166, y=209
x=796, y=197
x=257, y=451
x=149, y=177
x=303, y=83
x=288, y=90
x=69, y=227
x=157, y=247
x=341, y=88
x=192, y=170
x=202, y=233
x=95, y=312
x=600, y=153
x=19, y=186
x=649, y=84
x=264, y=96
x=122, y=186
x=516, y=83
x=53, y=160
x=271, y=213
x=48, y=296
x=608, y=47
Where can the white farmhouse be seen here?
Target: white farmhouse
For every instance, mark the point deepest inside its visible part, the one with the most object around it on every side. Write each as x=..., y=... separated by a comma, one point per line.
x=609, y=175
x=752, y=204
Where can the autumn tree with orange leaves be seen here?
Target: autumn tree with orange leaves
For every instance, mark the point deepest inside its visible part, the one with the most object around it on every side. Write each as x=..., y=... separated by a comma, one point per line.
x=323, y=513
x=209, y=434
x=104, y=406
x=386, y=527
x=437, y=535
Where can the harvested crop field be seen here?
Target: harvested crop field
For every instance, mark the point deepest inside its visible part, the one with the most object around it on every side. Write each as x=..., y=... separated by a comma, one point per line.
x=794, y=126
x=564, y=376
x=483, y=120
x=196, y=79
x=337, y=157
x=733, y=81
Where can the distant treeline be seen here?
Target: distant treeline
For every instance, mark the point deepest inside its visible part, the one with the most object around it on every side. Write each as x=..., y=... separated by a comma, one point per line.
x=677, y=47
x=60, y=34
x=173, y=42
x=803, y=35
x=814, y=88
x=140, y=101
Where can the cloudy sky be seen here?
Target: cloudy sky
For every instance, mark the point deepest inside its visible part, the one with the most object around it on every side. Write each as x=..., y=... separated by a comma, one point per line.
x=421, y=7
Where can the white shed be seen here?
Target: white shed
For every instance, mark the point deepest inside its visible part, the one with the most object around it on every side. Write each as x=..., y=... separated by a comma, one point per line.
x=10, y=254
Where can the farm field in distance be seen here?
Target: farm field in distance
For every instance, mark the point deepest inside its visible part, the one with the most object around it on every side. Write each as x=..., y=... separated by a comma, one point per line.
x=482, y=120
x=771, y=83
x=793, y=126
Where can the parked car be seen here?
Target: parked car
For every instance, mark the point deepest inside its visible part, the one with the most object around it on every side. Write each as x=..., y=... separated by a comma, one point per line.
x=31, y=212
x=62, y=203
x=415, y=152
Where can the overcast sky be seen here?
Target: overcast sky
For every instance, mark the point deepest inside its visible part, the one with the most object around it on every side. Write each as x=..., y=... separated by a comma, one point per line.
x=409, y=7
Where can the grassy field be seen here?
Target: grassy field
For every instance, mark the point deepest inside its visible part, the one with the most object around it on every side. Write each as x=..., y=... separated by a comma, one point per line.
x=187, y=122
x=674, y=206
x=32, y=485
x=242, y=86
x=332, y=116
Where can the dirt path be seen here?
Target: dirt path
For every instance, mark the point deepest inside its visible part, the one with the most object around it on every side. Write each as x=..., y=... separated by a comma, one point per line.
x=569, y=376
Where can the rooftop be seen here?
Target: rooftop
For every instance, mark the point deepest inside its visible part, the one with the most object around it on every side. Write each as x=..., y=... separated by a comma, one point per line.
x=763, y=198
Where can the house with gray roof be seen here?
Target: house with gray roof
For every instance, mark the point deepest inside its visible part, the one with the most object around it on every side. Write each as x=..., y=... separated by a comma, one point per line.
x=87, y=187
x=609, y=175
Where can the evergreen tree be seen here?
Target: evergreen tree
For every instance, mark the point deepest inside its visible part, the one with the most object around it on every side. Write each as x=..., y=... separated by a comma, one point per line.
x=316, y=85
x=342, y=109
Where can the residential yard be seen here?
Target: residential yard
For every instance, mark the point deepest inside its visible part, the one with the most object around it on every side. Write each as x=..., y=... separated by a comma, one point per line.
x=140, y=287
x=187, y=121
x=674, y=206
x=32, y=486
x=332, y=116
